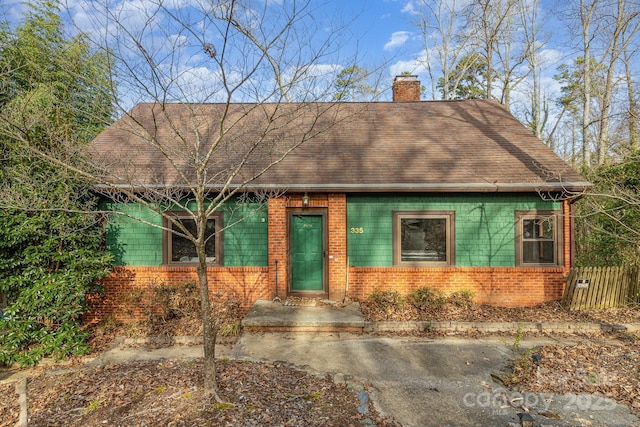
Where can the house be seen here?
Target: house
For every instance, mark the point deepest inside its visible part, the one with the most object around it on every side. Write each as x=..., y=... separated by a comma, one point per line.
x=384, y=195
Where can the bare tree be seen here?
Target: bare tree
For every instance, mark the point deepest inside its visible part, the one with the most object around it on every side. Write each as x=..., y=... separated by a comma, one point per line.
x=490, y=26
x=533, y=42
x=624, y=25
x=616, y=26
x=633, y=110
x=265, y=65
x=445, y=42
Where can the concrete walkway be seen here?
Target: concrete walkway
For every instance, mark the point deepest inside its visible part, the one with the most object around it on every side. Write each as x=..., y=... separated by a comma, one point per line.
x=433, y=382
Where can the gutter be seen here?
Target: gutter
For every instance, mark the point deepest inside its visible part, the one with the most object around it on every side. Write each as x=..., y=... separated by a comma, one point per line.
x=393, y=187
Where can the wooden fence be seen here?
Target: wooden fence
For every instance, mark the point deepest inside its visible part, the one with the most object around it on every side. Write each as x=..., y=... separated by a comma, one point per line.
x=593, y=288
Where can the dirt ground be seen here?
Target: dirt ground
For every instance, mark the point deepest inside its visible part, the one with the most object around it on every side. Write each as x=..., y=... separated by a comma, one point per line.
x=168, y=392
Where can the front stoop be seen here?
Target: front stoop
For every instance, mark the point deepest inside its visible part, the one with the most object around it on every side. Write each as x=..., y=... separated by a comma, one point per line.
x=276, y=316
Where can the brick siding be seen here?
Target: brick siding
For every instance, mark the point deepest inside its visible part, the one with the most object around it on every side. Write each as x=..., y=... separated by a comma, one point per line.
x=129, y=293
x=499, y=286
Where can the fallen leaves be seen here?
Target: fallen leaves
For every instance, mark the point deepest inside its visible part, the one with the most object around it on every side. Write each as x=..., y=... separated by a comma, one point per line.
x=604, y=367
x=168, y=393
x=550, y=312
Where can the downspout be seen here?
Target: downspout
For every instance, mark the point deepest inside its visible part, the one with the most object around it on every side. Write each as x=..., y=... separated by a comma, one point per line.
x=346, y=288
x=277, y=298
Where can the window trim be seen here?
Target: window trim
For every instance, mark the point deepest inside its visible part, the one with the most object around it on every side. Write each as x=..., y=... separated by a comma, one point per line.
x=166, y=239
x=448, y=215
x=558, y=238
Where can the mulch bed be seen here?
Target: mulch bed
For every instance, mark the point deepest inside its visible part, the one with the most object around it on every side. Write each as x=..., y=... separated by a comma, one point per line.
x=167, y=393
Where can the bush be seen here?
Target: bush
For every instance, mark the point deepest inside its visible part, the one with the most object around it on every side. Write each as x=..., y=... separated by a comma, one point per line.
x=462, y=299
x=49, y=264
x=427, y=299
x=175, y=301
x=385, y=300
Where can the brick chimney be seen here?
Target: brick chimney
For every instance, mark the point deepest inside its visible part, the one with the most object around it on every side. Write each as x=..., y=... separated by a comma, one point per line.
x=406, y=88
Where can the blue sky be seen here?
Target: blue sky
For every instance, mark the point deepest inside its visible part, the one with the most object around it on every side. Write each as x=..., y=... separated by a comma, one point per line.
x=384, y=31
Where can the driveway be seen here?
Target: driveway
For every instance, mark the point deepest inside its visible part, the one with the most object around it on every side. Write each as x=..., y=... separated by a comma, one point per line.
x=432, y=382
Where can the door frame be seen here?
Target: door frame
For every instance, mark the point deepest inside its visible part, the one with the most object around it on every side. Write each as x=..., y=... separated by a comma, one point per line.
x=323, y=212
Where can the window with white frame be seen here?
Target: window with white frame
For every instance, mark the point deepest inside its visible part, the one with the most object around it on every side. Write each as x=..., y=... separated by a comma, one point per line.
x=423, y=238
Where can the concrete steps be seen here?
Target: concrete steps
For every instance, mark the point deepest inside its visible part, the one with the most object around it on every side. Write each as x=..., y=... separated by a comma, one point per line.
x=270, y=316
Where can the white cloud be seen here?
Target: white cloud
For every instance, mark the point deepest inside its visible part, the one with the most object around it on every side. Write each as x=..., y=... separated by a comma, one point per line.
x=409, y=8
x=398, y=38
x=12, y=11
x=550, y=56
x=414, y=66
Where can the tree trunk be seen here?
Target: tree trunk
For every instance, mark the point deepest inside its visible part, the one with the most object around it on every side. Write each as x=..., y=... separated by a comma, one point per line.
x=633, y=110
x=585, y=17
x=209, y=331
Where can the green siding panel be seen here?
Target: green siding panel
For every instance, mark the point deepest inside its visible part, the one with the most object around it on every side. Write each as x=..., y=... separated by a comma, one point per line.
x=135, y=243
x=131, y=241
x=485, y=234
x=246, y=243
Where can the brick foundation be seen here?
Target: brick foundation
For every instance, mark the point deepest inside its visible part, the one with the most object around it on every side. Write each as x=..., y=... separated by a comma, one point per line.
x=498, y=286
x=128, y=292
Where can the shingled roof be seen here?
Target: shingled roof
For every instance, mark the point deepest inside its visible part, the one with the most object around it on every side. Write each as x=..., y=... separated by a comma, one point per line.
x=431, y=146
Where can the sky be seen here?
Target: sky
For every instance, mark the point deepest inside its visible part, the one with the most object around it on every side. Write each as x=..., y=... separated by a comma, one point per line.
x=388, y=30
x=384, y=31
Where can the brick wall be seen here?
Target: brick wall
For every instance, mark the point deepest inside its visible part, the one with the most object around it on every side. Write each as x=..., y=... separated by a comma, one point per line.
x=337, y=204
x=129, y=296
x=406, y=89
x=499, y=286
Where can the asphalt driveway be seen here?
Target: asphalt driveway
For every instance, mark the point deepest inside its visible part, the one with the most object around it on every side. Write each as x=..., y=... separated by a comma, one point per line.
x=432, y=382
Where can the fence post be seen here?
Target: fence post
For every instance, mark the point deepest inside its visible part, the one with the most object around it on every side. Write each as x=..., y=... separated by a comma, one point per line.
x=21, y=391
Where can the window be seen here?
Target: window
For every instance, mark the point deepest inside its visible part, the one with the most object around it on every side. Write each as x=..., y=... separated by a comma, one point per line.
x=179, y=250
x=538, y=238
x=424, y=238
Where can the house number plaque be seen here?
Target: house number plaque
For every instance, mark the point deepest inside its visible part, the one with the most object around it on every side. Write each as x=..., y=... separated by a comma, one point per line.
x=583, y=283
x=357, y=230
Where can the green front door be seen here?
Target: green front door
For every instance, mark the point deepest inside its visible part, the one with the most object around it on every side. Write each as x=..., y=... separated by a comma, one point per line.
x=307, y=253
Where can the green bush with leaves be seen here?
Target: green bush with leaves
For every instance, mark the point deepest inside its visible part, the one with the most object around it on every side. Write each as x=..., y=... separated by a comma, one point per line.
x=51, y=240
x=50, y=263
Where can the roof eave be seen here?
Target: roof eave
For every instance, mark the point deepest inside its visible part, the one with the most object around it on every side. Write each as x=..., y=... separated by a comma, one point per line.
x=564, y=187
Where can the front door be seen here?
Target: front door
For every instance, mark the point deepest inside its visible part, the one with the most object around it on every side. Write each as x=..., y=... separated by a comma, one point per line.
x=307, y=253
